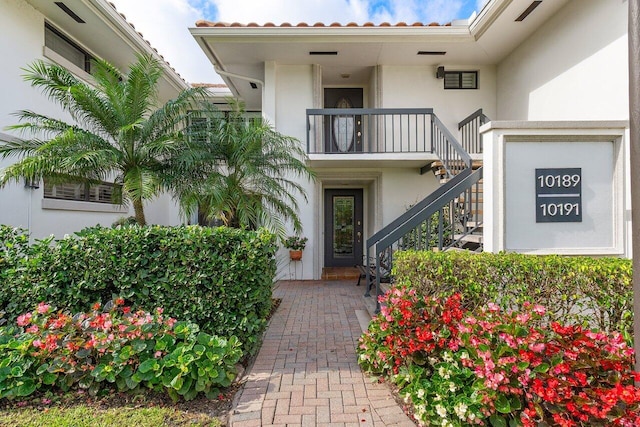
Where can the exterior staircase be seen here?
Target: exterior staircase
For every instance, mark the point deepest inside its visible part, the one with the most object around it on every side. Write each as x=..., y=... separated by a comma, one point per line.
x=450, y=218
x=469, y=211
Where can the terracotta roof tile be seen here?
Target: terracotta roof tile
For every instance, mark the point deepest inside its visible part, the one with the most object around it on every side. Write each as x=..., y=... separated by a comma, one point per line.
x=210, y=85
x=204, y=23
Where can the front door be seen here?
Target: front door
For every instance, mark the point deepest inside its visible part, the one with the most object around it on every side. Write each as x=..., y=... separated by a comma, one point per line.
x=343, y=227
x=343, y=132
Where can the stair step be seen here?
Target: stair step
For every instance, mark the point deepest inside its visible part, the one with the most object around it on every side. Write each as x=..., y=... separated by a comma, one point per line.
x=475, y=164
x=473, y=224
x=470, y=238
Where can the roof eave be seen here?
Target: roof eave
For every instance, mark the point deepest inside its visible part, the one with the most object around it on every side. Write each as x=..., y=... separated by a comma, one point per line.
x=138, y=44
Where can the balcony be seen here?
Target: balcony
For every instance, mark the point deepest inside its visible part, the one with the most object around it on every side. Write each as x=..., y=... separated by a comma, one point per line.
x=363, y=137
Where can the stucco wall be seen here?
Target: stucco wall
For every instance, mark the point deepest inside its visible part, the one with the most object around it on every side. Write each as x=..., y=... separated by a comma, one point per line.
x=23, y=40
x=575, y=67
x=294, y=87
x=418, y=87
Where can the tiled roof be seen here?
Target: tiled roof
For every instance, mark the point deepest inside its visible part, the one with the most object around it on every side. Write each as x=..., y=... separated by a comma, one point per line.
x=210, y=85
x=147, y=41
x=203, y=23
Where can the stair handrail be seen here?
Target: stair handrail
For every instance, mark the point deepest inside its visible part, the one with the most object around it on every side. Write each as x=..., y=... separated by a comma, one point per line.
x=476, y=114
x=436, y=200
x=454, y=189
x=447, y=163
x=468, y=130
x=415, y=209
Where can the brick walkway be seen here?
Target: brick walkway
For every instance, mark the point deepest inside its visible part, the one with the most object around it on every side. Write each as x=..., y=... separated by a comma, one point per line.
x=306, y=373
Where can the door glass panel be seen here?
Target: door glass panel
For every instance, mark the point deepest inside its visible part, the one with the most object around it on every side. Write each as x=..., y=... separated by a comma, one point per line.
x=343, y=226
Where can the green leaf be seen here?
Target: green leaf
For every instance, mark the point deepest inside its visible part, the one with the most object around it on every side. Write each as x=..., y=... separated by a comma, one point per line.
x=98, y=371
x=85, y=382
x=49, y=378
x=42, y=369
x=131, y=383
x=199, y=349
x=16, y=371
x=497, y=421
x=138, y=345
x=541, y=368
x=502, y=404
x=148, y=365
x=27, y=387
x=515, y=422
x=515, y=403
x=177, y=382
x=186, y=386
x=82, y=353
x=4, y=373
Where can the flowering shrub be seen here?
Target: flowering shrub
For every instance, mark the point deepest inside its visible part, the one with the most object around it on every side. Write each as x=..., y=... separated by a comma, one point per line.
x=593, y=292
x=218, y=278
x=498, y=368
x=113, y=345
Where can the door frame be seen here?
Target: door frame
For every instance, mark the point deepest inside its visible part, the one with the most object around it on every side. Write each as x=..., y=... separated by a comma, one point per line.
x=358, y=227
x=369, y=181
x=355, y=96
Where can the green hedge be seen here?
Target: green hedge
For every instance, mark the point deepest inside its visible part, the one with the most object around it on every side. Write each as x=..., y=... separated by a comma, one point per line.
x=218, y=278
x=595, y=292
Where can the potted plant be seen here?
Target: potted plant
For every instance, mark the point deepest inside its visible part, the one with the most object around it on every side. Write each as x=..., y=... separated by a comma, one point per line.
x=296, y=245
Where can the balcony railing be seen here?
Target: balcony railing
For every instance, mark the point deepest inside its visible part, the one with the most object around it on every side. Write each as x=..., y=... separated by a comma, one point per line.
x=469, y=130
x=363, y=130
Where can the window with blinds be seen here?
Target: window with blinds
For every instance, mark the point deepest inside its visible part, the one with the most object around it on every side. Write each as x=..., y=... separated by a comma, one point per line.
x=63, y=46
x=461, y=80
x=100, y=193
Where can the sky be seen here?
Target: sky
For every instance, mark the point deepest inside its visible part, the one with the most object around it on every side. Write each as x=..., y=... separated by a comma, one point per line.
x=165, y=23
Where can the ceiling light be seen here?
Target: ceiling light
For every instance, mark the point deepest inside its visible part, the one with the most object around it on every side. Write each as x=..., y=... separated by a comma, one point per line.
x=345, y=75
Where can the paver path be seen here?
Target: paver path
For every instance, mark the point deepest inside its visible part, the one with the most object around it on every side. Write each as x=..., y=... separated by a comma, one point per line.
x=306, y=372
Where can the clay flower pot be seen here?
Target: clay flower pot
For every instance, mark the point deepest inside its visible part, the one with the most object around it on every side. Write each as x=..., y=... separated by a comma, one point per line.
x=295, y=255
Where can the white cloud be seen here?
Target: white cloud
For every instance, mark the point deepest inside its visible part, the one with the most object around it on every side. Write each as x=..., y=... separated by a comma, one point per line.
x=292, y=11
x=165, y=23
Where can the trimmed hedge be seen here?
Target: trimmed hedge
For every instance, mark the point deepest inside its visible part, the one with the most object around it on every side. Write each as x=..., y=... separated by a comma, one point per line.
x=218, y=278
x=594, y=292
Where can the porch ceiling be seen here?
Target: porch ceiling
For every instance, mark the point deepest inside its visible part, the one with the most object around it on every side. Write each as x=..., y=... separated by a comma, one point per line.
x=491, y=36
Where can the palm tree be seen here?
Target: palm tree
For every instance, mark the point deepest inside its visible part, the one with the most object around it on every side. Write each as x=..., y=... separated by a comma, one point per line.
x=119, y=133
x=240, y=171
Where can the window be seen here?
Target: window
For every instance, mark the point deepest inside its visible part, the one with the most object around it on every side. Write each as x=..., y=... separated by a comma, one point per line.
x=201, y=126
x=461, y=80
x=100, y=193
x=63, y=46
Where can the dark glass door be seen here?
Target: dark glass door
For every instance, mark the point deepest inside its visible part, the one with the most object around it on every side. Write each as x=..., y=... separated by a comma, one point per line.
x=343, y=132
x=343, y=228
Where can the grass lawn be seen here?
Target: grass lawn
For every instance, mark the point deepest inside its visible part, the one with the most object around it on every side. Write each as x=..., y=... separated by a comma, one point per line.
x=87, y=416
x=145, y=409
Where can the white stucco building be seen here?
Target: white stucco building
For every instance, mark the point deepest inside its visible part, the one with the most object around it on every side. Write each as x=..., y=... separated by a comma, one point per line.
x=550, y=76
x=68, y=36
x=380, y=108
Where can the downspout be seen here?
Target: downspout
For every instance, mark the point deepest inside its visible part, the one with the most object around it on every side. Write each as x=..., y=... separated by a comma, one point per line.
x=237, y=76
x=633, y=32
